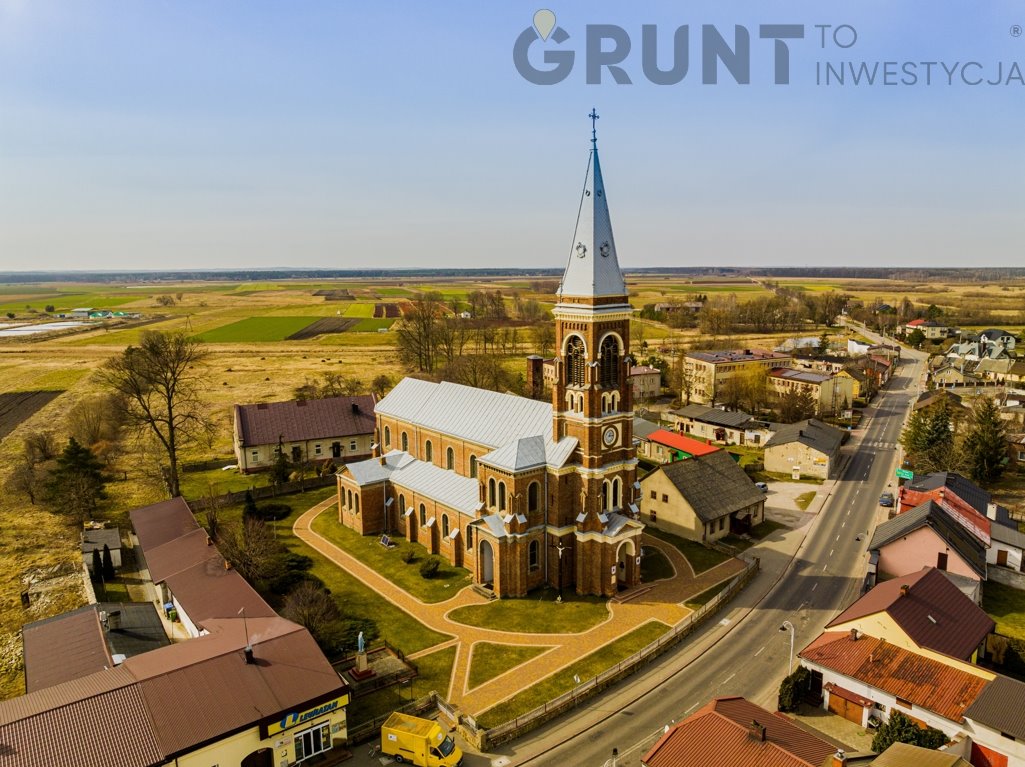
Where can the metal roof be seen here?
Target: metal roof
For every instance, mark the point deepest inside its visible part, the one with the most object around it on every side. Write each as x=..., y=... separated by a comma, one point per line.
x=487, y=418
x=812, y=433
x=518, y=455
x=925, y=682
x=1001, y=706
x=934, y=613
x=683, y=443
x=162, y=522
x=445, y=487
x=964, y=488
x=930, y=514
x=904, y=754
x=715, y=416
x=593, y=268
x=373, y=470
x=267, y=423
x=95, y=539
x=180, y=554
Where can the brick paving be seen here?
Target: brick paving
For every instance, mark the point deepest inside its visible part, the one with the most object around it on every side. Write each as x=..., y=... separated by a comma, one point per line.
x=662, y=602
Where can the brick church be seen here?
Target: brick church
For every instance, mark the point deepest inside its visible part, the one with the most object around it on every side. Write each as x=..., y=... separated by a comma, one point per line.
x=522, y=493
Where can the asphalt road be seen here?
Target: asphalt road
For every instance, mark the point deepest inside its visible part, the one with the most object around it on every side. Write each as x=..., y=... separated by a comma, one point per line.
x=750, y=660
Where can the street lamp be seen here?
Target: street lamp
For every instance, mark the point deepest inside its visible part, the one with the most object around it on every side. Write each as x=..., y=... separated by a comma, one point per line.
x=560, y=548
x=788, y=626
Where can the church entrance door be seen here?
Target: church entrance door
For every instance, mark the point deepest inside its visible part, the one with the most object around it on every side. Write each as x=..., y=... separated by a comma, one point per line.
x=487, y=563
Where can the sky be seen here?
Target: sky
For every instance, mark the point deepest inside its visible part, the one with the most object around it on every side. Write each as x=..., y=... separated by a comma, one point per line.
x=172, y=134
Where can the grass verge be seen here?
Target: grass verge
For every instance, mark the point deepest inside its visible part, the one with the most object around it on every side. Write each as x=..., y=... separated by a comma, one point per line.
x=435, y=674
x=654, y=565
x=804, y=500
x=562, y=681
x=536, y=613
x=388, y=562
x=490, y=659
x=701, y=557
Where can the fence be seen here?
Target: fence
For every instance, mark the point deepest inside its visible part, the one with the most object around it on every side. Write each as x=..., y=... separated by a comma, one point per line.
x=502, y=733
x=361, y=733
x=270, y=491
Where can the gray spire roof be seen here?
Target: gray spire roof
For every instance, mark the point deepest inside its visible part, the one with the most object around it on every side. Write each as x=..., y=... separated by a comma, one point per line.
x=593, y=269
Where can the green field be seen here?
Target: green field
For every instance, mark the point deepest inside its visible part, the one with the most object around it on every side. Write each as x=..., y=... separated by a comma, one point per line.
x=371, y=325
x=357, y=309
x=256, y=329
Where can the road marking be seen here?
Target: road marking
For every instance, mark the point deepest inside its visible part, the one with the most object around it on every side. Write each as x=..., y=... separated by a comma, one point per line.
x=831, y=552
x=814, y=586
x=844, y=523
x=759, y=651
x=724, y=681
x=838, y=537
x=691, y=708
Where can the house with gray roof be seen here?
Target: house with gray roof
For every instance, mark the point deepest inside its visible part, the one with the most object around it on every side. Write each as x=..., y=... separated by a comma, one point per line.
x=808, y=448
x=703, y=498
x=727, y=427
x=333, y=428
x=925, y=536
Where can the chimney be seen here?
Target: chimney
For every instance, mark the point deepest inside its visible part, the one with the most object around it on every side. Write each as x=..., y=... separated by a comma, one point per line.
x=905, y=590
x=209, y=541
x=854, y=635
x=839, y=759
x=991, y=510
x=248, y=652
x=227, y=565
x=355, y=407
x=757, y=731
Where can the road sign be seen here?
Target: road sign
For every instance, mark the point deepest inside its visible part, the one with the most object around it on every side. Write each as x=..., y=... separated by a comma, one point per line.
x=905, y=474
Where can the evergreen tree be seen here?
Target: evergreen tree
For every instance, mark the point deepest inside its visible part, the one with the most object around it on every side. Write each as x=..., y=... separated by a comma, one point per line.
x=108, y=564
x=97, y=567
x=279, y=471
x=76, y=483
x=986, y=442
x=900, y=729
x=249, y=505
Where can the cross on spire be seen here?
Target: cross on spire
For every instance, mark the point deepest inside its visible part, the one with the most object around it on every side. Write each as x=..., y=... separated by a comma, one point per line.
x=594, y=132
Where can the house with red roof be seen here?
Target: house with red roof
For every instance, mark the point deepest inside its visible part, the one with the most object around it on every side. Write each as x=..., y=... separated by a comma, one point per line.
x=732, y=731
x=665, y=447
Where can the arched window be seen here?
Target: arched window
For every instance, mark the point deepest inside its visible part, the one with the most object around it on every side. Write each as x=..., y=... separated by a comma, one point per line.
x=576, y=362
x=423, y=515
x=444, y=525
x=615, y=493
x=469, y=538
x=387, y=436
x=350, y=499
x=429, y=452
x=609, y=358
x=450, y=459
x=357, y=504
x=405, y=442
x=402, y=504
x=532, y=557
x=614, y=400
x=533, y=491
x=473, y=466
x=501, y=496
x=491, y=492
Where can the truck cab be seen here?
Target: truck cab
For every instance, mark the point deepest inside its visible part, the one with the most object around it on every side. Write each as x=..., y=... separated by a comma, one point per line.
x=418, y=741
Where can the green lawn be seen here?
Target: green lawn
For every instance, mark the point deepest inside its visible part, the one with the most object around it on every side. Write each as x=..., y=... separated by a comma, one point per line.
x=804, y=500
x=113, y=591
x=435, y=674
x=357, y=309
x=586, y=668
x=537, y=613
x=1006, y=606
x=388, y=562
x=256, y=329
x=371, y=325
x=701, y=558
x=654, y=565
x=200, y=484
x=704, y=597
x=489, y=660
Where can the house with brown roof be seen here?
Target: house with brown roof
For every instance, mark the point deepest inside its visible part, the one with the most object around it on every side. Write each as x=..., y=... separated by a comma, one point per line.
x=249, y=688
x=336, y=428
x=645, y=381
x=702, y=498
x=727, y=732
x=923, y=612
x=861, y=676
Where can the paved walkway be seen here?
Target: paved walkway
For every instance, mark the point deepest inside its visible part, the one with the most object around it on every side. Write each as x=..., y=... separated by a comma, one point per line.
x=662, y=602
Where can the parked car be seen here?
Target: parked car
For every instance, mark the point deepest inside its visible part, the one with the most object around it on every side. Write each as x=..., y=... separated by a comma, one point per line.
x=886, y=499
x=762, y=486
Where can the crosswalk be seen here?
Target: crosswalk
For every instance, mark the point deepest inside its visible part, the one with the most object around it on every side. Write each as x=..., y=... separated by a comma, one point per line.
x=879, y=445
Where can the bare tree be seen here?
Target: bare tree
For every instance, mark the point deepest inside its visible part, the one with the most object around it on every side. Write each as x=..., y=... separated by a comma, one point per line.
x=41, y=446
x=544, y=338
x=250, y=547
x=310, y=606
x=417, y=333
x=381, y=385
x=96, y=419
x=25, y=478
x=159, y=388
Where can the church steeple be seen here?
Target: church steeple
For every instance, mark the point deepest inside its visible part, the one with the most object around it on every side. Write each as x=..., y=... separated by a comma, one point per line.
x=593, y=269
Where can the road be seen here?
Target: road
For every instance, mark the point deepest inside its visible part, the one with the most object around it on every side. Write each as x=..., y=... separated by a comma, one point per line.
x=750, y=660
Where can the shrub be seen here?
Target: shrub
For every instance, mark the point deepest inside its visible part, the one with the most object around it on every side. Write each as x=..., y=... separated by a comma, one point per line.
x=429, y=567
x=792, y=689
x=409, y=555
x=900, y=729
x=49, y=308
x=272, y=512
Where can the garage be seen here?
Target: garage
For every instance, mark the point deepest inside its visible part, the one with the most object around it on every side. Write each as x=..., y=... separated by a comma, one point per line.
x=847, y=704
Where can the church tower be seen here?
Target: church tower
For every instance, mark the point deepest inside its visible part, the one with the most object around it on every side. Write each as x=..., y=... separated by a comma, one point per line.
x=591, y=398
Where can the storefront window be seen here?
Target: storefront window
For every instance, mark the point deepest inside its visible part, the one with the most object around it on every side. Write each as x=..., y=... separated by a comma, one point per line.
x=313, y=741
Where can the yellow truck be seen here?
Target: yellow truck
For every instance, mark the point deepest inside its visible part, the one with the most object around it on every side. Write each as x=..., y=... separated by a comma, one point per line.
x=419, y=741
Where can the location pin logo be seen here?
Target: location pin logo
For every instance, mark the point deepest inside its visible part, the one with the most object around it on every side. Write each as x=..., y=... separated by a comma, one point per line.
x=544, y=23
